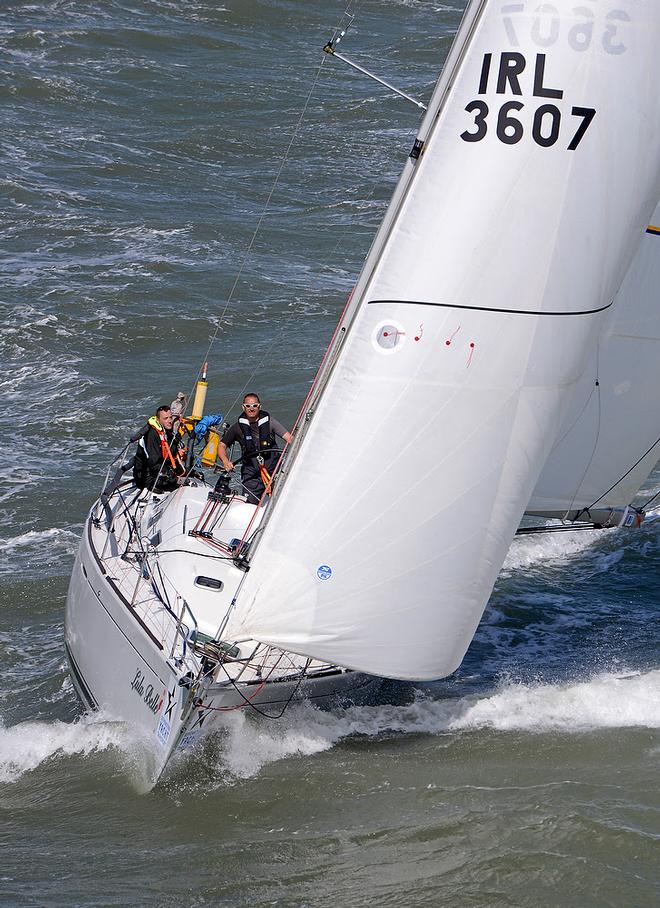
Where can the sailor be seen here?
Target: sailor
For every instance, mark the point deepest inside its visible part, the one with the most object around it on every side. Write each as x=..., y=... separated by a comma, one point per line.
x=157, y=459
x=256, y=432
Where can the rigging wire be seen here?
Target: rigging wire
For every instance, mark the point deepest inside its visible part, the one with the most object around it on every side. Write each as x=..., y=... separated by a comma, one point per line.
x=621, y=478
x=652, y=498
x=261, y=219
x=276, y=339
x=586, y=509
x=248, y=700
x=367, y=197
x=598, y=425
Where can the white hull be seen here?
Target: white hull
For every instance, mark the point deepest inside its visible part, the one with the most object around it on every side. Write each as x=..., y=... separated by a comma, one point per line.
x=134, y=656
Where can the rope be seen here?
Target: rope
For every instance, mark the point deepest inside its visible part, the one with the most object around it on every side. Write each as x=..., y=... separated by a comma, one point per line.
x=262, y=216
x=621, y=478
x=647, y=503
x=593, y=450
x=586, y=510
x=345, y=22
x=248, y=700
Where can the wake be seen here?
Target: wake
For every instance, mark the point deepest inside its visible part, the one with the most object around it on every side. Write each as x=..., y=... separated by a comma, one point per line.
x=604, y=701
x=28, y=745
x=246, y=745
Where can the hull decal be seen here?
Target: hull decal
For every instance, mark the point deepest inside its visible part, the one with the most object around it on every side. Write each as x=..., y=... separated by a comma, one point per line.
x=163, y=732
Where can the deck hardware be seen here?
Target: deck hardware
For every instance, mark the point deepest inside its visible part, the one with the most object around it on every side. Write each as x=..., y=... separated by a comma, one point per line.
x=330, y=49
x=417, y=149
x=211, y=583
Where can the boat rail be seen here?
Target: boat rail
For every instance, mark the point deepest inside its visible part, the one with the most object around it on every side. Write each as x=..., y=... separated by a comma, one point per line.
x=174, y=621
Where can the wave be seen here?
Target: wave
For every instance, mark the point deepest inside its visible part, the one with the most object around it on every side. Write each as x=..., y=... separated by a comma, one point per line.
x=29, y=745
x=38, y=548
x=246, y=745
x=608, y=700
x=605, y=701
x=529, y=550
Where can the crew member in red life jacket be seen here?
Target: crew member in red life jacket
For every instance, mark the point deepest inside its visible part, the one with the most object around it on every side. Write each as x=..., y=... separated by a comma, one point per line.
x=157, y=459
x=256, y=433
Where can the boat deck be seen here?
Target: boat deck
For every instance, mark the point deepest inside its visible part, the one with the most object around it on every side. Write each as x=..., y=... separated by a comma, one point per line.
x=179, y=585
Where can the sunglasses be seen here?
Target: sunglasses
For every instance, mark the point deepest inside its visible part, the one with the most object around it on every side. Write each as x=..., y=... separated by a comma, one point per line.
x=251, y=406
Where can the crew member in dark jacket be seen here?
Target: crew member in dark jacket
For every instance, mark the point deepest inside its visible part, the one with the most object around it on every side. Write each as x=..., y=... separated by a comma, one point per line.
x=256, y=432
x=157, y=461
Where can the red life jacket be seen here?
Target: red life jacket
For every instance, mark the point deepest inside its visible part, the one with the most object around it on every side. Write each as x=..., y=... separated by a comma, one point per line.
x=174, y=459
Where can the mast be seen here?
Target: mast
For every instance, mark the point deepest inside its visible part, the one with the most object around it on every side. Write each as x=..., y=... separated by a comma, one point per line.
x=508, y=236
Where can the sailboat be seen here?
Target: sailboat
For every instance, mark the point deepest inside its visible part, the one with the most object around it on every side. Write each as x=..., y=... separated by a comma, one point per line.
x=515, y=258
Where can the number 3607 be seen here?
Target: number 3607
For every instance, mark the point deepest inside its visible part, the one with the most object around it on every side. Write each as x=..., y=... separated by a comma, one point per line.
x=546, y=123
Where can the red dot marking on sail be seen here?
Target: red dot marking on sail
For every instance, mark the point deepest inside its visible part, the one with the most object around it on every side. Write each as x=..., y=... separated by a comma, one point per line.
x=419, y=336
x=471, y=352
x=448, y=342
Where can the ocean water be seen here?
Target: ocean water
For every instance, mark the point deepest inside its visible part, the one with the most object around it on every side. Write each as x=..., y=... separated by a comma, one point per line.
x=140, y=145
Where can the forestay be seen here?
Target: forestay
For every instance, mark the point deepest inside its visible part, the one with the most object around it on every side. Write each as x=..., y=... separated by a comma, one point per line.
x=504, y=244
x=608, y=443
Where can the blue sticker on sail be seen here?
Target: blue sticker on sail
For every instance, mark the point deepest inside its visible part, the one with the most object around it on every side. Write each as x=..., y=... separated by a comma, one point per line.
x=324, y=572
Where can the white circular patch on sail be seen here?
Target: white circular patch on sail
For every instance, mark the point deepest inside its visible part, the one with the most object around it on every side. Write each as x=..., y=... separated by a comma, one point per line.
x=388, y=337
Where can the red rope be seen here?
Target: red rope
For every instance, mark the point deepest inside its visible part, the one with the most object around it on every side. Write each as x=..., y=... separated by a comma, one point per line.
x=226, y=709
x=246, y=700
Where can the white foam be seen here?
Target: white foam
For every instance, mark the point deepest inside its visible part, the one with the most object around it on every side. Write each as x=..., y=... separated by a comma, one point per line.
x=17, y=385
x=36, y=537
x=35, y=548
x=26, y=746
x=604, y=701
x=248, y=746
x=529, y=550
x=607, y=700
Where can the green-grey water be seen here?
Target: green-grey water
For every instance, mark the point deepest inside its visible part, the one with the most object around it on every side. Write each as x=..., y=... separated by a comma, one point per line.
x=141, y=141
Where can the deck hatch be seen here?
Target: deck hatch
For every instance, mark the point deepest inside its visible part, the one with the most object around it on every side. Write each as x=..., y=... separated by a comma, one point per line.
x=209, y=583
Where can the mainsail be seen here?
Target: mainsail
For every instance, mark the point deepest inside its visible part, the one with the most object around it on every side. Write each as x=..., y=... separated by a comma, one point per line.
x=610, y=438
x=516, y=218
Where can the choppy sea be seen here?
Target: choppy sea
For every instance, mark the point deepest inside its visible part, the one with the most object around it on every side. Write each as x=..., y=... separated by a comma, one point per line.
x=140, y=144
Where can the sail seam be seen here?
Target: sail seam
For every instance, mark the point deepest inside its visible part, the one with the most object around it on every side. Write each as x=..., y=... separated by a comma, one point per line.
x=482, y=308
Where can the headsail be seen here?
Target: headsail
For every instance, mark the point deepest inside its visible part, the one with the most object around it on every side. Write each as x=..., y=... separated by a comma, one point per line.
x=503, y=247
x=610, y=438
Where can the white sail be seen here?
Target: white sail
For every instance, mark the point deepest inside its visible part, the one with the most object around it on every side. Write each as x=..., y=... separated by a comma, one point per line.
x=610, y=438
x=504, y=244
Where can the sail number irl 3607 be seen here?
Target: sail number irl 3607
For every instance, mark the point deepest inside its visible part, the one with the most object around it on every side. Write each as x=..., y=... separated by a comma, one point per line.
x=546, y=121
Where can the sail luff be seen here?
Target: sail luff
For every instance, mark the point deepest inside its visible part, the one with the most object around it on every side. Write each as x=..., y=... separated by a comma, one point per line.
x=458, y=49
